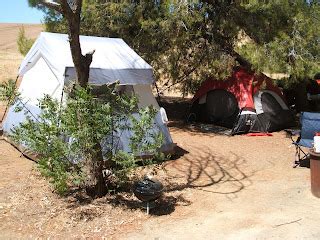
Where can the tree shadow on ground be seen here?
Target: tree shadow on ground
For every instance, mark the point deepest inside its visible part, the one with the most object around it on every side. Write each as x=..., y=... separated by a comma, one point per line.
x=178, y=153
x=163, y=206
x=200, y=171
x=204, y=171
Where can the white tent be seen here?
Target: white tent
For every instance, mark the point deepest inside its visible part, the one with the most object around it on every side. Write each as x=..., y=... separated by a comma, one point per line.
x=48, y=67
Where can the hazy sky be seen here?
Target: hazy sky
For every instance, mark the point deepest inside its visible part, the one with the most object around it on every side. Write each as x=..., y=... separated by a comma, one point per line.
x=18, y=11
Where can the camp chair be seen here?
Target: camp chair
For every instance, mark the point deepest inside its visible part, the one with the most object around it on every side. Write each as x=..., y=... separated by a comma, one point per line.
x=310, y=124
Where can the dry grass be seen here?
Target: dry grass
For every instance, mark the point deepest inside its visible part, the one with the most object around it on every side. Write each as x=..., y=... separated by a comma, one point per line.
x=9, y=64
x=9, y=33
x=10, y=58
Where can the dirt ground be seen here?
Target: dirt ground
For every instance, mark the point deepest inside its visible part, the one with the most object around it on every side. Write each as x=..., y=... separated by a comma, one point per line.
x=223, y=187
x=220, y=187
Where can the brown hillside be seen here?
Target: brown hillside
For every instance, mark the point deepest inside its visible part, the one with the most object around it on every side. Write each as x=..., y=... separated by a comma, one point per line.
x=9, y=34
x=10, y=58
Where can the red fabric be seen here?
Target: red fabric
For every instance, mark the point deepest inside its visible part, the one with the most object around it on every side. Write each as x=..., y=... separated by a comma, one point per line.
x=262, y=81
x=242, y=84
x=258, y=134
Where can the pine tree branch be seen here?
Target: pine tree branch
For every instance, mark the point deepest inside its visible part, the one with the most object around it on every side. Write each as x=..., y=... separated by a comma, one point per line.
x=52, y=5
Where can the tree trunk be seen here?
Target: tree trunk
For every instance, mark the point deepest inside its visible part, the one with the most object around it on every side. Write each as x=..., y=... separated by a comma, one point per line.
x=98, y=187
x=82, y=67
x=81, y=62
x=73, y=17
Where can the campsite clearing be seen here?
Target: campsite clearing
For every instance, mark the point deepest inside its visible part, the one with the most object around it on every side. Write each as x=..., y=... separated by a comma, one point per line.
x=222, y=187
x=226, y=187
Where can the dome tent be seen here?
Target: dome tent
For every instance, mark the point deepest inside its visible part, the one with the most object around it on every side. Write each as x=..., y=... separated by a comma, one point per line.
x=245, y=102
x=48, y=68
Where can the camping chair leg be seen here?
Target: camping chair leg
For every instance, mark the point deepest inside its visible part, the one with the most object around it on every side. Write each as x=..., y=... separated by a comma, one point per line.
x=298, y=158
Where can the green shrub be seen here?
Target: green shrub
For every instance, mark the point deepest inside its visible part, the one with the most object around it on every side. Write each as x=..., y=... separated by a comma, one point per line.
x=24, y=43
x=65, y=136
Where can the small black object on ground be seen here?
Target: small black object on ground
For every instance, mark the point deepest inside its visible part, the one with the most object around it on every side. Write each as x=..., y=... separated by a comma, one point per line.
x=148, y=190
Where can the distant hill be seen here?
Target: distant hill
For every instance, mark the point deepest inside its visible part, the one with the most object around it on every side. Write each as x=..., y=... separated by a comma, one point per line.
x=10, y=58
x=9, y=34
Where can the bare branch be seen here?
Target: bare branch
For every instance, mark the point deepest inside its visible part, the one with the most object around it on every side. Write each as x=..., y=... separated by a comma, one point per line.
x=51, y=5
x=90, y=53
x=79, y=6
x=66, y=8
